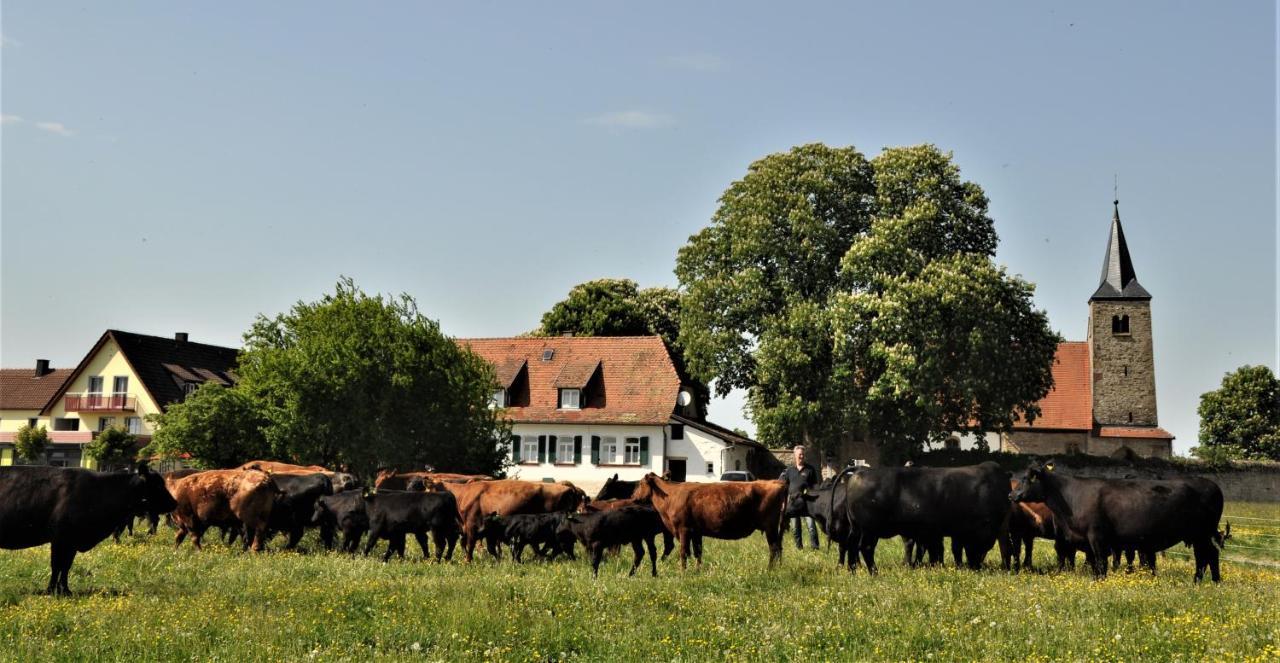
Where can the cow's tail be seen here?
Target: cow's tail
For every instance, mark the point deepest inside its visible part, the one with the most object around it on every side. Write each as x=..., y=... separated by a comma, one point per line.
x=831, y=501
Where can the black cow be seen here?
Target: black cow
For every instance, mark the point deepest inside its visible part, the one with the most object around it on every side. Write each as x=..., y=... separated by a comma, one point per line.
x=969, y=504
x=295, y=506
x=616, y=489
x=1106, y=515
x=825, y=504
x=541, y=531
x=395, y=515
x=635, y=525
x=72, y=509
x=342, y=512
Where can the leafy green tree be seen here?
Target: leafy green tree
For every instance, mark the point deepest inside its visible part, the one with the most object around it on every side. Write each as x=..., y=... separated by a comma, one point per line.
x=618, y=307
x=837, y=290
x=363, y=381
x=215, y=427
x=113, y=446
x=1241, y=419
x=30, y=442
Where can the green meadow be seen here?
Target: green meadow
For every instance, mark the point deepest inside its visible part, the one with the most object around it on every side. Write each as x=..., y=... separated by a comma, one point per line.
x=143, y=600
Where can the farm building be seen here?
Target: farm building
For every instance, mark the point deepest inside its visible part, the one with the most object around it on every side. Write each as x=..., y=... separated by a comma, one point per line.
x=586, y=408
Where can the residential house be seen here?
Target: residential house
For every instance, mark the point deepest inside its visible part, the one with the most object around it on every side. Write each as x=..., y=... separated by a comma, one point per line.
x=586, y=408
x=121, y=380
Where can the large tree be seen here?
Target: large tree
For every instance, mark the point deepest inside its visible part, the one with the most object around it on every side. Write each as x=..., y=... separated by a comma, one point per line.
x=855, y=297
x=214, y=427
x=362, y=382
x=619, y=307
x=1242, y=417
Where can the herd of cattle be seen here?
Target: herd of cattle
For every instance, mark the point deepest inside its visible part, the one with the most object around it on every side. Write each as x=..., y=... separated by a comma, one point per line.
x=977, y=507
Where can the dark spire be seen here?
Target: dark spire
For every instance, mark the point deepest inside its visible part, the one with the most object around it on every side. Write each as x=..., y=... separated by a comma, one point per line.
x=1118, y=279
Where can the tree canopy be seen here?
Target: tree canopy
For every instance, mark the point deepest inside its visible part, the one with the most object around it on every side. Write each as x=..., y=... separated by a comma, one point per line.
x=1242, y=417
x=619, y=307
x=363, y=382
x=30, y=442
x=113, y=446
x=216, y=426
x=855, y=297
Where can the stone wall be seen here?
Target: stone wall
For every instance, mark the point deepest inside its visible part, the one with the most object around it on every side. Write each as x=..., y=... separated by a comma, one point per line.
x=1142, y=447
x=1123, y=365
x=1046, y=443
x=1240, y=485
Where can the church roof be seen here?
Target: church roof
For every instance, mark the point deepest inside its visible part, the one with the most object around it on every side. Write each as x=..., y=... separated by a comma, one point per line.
x=1069, y=405
x=1118, y=278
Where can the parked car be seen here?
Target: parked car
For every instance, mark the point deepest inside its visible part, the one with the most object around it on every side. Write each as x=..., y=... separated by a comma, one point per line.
x=737, y=476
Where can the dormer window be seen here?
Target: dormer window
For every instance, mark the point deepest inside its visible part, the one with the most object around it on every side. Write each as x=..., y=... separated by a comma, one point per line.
x=190, y=388
x=500, y=398
x=570, y=399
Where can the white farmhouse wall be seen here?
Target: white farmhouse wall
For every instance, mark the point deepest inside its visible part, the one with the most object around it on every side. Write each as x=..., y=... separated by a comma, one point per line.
x=701, y=450
x=969, y=441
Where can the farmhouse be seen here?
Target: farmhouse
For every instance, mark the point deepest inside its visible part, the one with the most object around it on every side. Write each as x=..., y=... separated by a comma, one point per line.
x=586, y=408
x=146, y=374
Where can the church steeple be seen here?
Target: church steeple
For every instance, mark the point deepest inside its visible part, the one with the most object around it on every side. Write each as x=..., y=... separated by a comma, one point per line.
x=1118, y=279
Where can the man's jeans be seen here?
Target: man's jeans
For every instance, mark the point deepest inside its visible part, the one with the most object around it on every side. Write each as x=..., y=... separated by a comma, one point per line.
x=813, y=531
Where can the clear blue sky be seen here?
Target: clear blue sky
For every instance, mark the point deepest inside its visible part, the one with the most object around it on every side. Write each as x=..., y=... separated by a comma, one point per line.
x=185, y=166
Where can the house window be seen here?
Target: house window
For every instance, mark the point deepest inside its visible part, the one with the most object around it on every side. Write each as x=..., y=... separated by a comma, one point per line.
x=570, y=399
x=500, y=398
x=120, y=385
x=711, y=468
x=133, y=425
x=677, y=431
x=63, y=457
x=190, y=388
x=608, y=450
x=1073, y=447
x=632, y=451
x=737, y=464
x=529, y=450
x=1119, y=324
x=66, y=424
x=105, y=423
x=95, y=384
x=564, y=450
x=32, y=422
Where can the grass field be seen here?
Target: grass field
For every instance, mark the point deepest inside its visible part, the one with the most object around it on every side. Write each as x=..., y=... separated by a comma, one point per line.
x=142, y=599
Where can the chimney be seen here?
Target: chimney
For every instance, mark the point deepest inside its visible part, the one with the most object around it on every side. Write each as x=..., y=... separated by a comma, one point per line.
x=42, y=368
x=180, y=337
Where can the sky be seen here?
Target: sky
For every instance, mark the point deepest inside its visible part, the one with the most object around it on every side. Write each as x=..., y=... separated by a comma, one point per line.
x=187, y=166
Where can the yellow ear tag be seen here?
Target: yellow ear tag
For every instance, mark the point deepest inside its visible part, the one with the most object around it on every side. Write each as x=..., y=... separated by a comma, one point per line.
x=1048, y=467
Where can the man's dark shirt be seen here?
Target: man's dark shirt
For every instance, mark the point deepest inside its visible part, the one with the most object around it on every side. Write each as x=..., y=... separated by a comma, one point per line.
x=799, y=478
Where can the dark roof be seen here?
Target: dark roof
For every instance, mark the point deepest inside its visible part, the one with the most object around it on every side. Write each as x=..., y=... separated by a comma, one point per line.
x=22, y=389
x=637, y=381
x=165, y=365
x=717, y=430
x=1118, y=278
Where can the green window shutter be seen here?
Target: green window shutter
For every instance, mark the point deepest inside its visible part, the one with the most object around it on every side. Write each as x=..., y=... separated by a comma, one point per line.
x=644, y=451
x=515, y=449
x=595, y=449
x=551, y=449
x=542, y=448
x=577, y=449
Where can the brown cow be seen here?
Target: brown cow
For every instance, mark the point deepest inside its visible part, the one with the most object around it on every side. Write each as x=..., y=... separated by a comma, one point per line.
x=225, y=498
x=393, y=480
x=1031, y=520
x=341, y=480
x=722, y=510
x=506, y=497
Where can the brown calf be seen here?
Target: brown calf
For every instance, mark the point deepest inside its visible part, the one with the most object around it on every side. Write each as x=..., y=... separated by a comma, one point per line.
x=224, y=498
x=723, y=510
x=507, y=497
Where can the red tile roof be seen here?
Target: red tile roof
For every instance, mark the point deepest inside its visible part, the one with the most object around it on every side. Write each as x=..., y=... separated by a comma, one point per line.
x=1069, y=405
x=1149, y=432
x=20, y=389
x=638, y=383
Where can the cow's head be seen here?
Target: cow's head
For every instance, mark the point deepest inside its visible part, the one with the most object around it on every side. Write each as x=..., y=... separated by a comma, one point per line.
x=150, y=492
x=802, y=504
x=416, y=485
x=321, y=514
x=647, y=488
x=343, y=481
x=1030, y=486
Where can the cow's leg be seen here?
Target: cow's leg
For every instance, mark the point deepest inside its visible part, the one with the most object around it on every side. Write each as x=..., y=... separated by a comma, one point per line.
x=684, y=549
x=197, y=535
x=439, y=539
x=773, y=536
x=868, y=549
x=182, y=534
x=597, y=554
x=153, y=523
x=1028, y=543
x=653, y=556
x=976, y=552
x=668, y=543
x=517, y=550
x=375, y=533
x=1101, y=553
x=958, y=550
x=638, y=550
x=697, y=547
x=452, y=539
x=1128, y=558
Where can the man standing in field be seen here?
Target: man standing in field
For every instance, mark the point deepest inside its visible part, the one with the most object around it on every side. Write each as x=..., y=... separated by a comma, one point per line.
x=799, y=476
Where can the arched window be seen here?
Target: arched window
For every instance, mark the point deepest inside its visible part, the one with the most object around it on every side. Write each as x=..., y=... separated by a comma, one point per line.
x=1119, y=324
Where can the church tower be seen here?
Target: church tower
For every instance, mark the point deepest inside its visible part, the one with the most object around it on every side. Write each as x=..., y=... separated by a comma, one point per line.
x=1120, y=353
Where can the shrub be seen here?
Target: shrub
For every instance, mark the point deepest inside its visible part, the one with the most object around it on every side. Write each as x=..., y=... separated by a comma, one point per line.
x=30, y=442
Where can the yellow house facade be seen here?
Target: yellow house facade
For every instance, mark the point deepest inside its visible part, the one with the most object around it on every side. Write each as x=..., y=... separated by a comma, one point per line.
x=124, y=378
